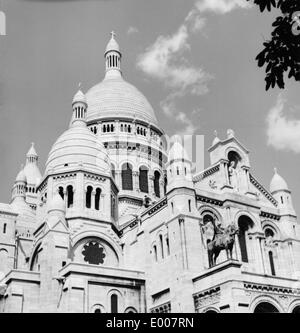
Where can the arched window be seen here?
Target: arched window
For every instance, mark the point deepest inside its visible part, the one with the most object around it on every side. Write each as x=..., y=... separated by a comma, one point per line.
x=114, y=303
x=98, y=310
x=156, y=183
x=143, y=179
x=272, y=266
x=161, y=243
x=4, y=228
x=70, y=196
x=127, y=177
x=265, y=307
x=61, y=192
x=97, y=198
x=88, y=197
x=244, y=223
x=296, y=309
x=165, y=185
x=190, y=207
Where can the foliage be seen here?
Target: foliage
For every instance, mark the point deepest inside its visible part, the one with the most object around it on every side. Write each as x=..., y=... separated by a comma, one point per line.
x=281, y=54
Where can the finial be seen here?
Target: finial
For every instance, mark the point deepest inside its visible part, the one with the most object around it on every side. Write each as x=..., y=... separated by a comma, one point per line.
x=216, y=133
x=32, y=144
x=79, y=85
x=275, y=170
x=230, y=133
x=113, y=34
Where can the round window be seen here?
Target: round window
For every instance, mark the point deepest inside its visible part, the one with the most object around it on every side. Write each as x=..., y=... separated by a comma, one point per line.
x=93, y=253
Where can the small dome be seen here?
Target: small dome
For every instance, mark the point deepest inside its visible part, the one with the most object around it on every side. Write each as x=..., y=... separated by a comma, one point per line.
x=79, y=97
x=177, y=152
x=112, y=44
x=278, y=183
x=78, y=146
x=56, y=203
x=21, y=177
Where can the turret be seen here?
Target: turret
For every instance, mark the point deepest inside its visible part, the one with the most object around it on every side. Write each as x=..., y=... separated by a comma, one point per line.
x=19, y=188
x=281, y=192
x=79, y=106
x=178, y=167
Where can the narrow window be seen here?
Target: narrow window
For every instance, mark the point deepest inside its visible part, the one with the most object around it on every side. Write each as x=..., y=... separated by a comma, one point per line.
x=4, y=228
x=281, y=199
x=88, y=197
x=143, y=179
x=61, y=192
x=190, y=209
x=272, y=266
x=156, y=183
x=70, y=196
x=97, y=198
x=127, y=183
x=172, y=205
x=114, y=303
x=161, y=246
x=155, y=252
x=168, y=246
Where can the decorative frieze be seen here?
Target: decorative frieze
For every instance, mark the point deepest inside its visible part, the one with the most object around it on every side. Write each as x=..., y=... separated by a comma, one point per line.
x=164, y=308
x=266, y=193
x=207, y=297
x=208, y=172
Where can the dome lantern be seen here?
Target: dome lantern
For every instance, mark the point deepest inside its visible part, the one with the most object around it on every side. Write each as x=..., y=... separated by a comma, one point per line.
x=113, y=57
x=79, y=106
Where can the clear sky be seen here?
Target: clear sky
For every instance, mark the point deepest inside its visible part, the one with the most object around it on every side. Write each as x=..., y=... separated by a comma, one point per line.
x=193, y=59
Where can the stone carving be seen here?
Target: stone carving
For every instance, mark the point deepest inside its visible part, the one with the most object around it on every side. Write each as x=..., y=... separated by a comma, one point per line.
x=233, y=175
x=223, y=240
x=212, y=184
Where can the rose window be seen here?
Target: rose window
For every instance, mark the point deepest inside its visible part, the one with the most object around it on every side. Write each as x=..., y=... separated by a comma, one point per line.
x=93, y=253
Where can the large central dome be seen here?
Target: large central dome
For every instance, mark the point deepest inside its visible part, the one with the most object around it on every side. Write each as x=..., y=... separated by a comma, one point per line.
x=114, y=97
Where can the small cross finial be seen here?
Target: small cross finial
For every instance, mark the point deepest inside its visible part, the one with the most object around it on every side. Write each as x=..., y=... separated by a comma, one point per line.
x=79, y=85
x=275, y=170
x=113, y=34
x=216, y=133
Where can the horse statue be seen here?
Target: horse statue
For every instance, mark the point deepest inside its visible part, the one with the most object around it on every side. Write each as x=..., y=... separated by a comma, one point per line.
x=223, y=240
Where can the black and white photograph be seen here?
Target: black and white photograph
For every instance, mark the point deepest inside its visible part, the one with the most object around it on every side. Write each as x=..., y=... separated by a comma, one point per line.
x=149, y=159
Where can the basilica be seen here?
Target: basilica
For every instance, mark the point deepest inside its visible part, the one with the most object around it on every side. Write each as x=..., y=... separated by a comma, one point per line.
x=120, y=222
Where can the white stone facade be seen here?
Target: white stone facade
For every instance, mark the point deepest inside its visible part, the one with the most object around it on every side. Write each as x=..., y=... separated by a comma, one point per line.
x=119, y=224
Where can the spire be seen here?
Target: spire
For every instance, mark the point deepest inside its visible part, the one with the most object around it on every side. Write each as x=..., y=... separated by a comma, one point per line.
x=113, y=57
x=79, y=106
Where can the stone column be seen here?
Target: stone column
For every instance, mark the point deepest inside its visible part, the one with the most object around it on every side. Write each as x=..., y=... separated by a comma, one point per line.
x=151, y=185
x=135, y=175
x=224, y=172
x=102, y=203
x=93, y=200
